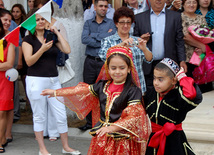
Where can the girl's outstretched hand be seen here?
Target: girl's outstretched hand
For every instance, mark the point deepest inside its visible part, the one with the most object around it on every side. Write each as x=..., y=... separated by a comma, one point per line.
x=49, y=92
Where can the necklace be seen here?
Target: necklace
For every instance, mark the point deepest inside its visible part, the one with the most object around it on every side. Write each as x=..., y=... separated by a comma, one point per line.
x=119, y=83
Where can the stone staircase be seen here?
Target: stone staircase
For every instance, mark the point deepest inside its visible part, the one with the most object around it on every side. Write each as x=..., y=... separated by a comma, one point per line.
x=199, y=126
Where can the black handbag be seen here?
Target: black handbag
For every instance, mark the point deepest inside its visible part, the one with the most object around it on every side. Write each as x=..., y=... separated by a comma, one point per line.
x=61, y=58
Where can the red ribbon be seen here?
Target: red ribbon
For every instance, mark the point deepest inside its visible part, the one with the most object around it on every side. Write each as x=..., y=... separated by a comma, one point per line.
x=159, y=138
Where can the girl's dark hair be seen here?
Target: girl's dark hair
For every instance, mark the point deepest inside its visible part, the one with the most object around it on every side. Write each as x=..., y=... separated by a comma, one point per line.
x=129, y=81
x=23, y=17
x=123, y=12
x=163, y=67
x=2, y=34
x=4, y=11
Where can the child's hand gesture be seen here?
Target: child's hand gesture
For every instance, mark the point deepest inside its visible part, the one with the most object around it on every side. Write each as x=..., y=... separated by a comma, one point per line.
x=180, y=74
x=49, y=92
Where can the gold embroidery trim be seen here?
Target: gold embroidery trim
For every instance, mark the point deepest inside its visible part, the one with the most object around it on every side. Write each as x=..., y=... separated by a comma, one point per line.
x=150, y=104
x=185, y=148
x=168, y=119
x=130, y=132
x=152, y=116
x=91, y=89
x=186, y=99
x=158, y=105
x=110, y=106
x=119, y=134
x=94, y=132
x=108, y=99
x=134, y=103
x=170, y=106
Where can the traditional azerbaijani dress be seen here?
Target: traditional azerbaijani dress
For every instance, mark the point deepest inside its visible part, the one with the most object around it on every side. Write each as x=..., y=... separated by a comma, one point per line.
x=101, y=98
x=167, y=111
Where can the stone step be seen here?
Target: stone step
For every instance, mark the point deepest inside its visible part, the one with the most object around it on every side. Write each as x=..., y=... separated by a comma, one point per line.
x=199, y=126
x=201, y=148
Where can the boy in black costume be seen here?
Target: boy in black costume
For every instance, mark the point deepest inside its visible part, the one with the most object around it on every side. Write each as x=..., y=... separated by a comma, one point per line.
x=167, y=105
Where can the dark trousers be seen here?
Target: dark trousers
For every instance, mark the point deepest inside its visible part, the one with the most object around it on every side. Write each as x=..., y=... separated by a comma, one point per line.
x=92, y=67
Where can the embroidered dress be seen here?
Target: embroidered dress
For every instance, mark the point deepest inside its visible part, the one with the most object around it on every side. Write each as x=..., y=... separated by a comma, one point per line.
x=167, y=115
x=101, y=98
x=6, y=88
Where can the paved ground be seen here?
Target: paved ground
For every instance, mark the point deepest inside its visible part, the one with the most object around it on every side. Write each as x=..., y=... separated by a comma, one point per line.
x=25, y=144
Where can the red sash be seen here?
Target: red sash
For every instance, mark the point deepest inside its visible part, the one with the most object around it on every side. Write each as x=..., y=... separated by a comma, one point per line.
x=159, y=138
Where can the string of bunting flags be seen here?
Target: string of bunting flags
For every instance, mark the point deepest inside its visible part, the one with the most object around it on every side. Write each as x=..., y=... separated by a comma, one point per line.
x=29, y=24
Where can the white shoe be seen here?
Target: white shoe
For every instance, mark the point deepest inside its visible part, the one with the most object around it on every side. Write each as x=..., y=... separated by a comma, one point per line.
x=76, y=152
x=42, y=154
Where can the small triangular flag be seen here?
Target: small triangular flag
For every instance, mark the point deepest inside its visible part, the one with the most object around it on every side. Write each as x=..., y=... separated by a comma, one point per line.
x=45, y=11
x=59, y=2
x=30, y=23
x=13, y=36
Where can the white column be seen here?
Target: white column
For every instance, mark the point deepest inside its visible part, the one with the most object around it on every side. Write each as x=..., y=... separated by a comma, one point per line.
x=9, y=3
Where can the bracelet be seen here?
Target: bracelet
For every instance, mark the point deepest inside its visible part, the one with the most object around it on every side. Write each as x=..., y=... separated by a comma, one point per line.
x=179, y=73
x=180, y=76
x=55, y=93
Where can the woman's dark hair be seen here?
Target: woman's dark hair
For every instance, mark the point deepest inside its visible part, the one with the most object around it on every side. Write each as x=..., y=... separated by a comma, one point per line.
x=209, y=7
x=129, y=81
x=23, y=17
x=163, y=67
x=43, y=2
x=123, y=12
x=4, y=11
x=36, y=3
x=2, y=34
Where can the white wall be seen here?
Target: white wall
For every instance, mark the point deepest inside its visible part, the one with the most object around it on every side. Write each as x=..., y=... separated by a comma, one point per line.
x=9, y=3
